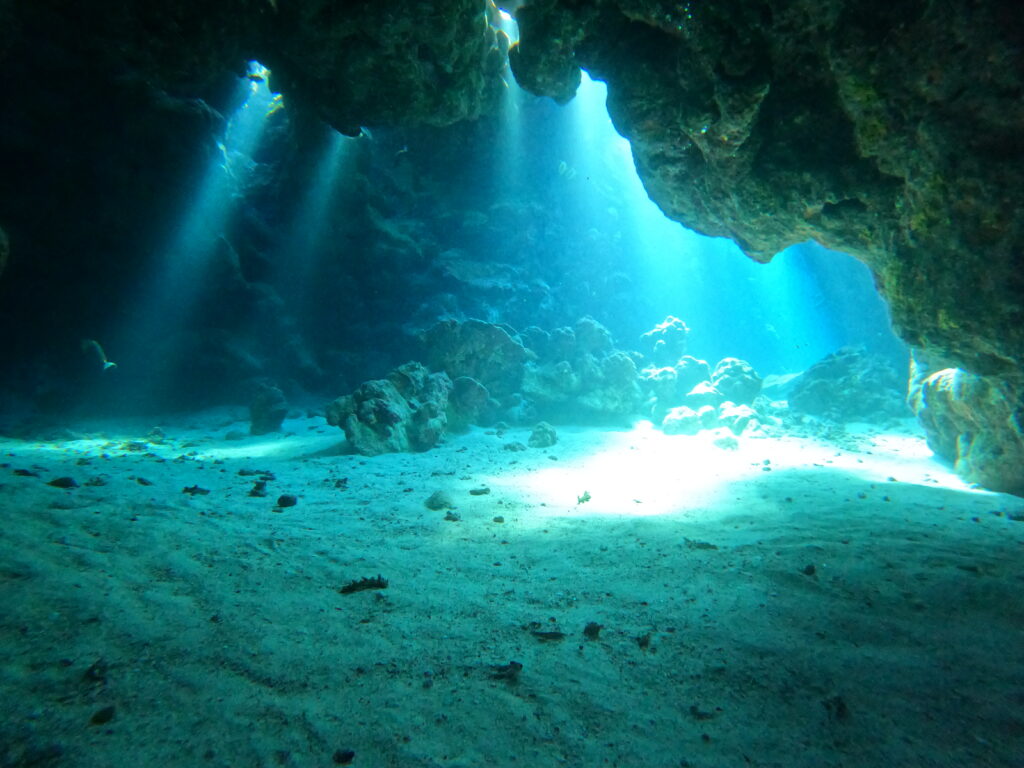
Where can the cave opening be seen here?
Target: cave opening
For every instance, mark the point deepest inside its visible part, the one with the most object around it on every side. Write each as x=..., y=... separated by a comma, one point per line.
x=371, y=401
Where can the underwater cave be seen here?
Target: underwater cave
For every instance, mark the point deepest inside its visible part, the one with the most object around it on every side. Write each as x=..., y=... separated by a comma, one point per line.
x=464, y=383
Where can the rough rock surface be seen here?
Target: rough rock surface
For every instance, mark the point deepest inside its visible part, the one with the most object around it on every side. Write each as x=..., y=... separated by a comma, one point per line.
x=404, y=412
x=374, y=64
x=576, y=374
x=976, y=422
x=267, y=409
x=543, y=435
x=681, y=420
x=666, y=342
x=886, y=130
x=849, y=384
x=736, y=380
x=487, y=352
x=351, y=64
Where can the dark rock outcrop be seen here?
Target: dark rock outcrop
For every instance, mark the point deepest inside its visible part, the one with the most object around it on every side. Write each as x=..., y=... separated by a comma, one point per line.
x=267, y=410
x=374, y=64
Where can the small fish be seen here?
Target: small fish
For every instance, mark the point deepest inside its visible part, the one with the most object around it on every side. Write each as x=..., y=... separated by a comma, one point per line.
x=92, y=344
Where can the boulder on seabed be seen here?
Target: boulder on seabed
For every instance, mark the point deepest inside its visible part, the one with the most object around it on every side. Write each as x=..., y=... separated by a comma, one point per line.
x=406, y=411
x=543, y=436
x=737, y=380
x=737, y=417
x=681, y=421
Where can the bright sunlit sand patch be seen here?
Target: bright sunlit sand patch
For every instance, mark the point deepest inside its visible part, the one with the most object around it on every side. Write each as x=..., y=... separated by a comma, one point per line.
x=642, y=472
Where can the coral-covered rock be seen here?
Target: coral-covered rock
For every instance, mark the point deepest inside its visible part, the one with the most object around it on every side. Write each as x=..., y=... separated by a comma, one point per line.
x=487, y=352
x=578, y=375
x=267, y=410
x=690, y=372
x=611, y=389
x=973, y=421
x=737, y=417
x=736, y=380
x=681, y=421
x=708, y=416
x=551, y=383
x=704, y=393
x=468, y=403
x=542, y=436
x=404, y=412
x=849, y=384
x=666, y=341
x=592, y=338
x=669, y=386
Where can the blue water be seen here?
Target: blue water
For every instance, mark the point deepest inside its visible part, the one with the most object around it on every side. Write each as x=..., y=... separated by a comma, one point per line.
x=782, y=316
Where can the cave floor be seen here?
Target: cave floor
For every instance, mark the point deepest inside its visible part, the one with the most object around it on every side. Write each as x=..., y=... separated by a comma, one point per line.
x=791, y=602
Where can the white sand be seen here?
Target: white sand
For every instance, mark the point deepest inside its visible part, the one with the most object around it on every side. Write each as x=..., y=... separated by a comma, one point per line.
x=214, y=626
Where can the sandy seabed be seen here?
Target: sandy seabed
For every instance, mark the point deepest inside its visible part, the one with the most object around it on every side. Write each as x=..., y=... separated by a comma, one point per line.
x=792, y=602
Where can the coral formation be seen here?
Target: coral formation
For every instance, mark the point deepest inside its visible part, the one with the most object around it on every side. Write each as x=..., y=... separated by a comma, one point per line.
x=542, y=436
x=973, y=421
x=267, y=409
x=406, y=411
x=576, y=374
x=831, y=121
x=849, y=384
x=489, y=353
x=667, y=340
x=736, y=380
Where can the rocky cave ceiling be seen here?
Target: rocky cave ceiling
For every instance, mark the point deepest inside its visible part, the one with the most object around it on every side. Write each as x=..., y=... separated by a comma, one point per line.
x=891, y=131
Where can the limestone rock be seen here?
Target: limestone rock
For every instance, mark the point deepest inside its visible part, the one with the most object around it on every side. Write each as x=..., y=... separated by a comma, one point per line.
x=404, y=412
x=669, y=386
x=468, y=403
x=542, y=436
x=439, y=500
x=849, y=384
x=486, y=352
x=577, y=374
x=681, y=421
x=267, y=410
x=690, y=372
x=708, y=416
x=737, y=417
x=377, y=64
x=736, y=380
x=667, y=340
x=974, y=422
x=704, y=393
